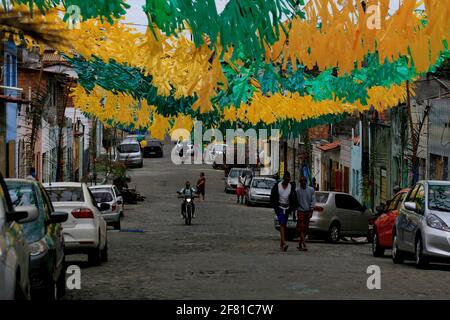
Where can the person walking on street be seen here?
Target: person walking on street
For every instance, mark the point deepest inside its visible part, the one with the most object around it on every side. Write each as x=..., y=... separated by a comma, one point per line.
x=32, y=175
x=201, y=186
x=283, y=199
x=306, y=202
x=240, y=191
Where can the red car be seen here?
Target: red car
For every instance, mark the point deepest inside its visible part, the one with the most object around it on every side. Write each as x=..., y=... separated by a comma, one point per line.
x=383, y=225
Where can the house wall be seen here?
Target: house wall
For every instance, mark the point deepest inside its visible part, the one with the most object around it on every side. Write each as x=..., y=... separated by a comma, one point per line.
x=356, y=165
x=439, y=140
x=9, y=116
x=381, y=162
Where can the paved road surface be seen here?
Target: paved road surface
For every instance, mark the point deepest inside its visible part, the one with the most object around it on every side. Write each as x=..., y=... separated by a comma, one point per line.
x=232, y=252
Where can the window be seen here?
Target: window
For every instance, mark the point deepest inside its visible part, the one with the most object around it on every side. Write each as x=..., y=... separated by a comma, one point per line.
x=347, y=202
x=400, y=200
x=234, y=173
x=412, y=193
x=22, y=194
x=102, y=196
x=394, y=203
x=321, y=197
x=420, y=199
x=263, y=184
x=128, y=148
x=60, y=194
x=48, y=206
x=439, y=198
x=117, y=191
x=92, y=197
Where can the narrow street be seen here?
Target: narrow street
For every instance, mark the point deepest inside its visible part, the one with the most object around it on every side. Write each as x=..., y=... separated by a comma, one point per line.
x=231, y=252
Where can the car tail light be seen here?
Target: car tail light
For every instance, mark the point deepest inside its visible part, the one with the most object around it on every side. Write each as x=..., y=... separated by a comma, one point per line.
x=318, y=209
x=83, y=213
x=114, y=207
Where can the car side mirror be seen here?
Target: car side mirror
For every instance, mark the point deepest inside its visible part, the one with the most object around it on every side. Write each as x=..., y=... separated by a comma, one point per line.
x=24, y=214
x=363, y=208
x=58, y=217
x=411, y=206
x=104, y=207
x=119, y=202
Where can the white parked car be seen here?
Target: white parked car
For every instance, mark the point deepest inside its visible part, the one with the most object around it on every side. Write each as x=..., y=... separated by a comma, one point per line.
x=214, y=151
x=109, y=194
x=85, y=229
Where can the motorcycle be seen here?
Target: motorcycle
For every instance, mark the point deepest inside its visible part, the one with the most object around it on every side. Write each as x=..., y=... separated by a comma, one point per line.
x=188, y=201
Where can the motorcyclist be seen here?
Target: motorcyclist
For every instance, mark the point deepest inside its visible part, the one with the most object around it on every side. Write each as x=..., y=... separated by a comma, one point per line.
x=187, y=191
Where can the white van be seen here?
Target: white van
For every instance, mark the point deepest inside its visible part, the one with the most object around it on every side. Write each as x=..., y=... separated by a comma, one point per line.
x=129, y=152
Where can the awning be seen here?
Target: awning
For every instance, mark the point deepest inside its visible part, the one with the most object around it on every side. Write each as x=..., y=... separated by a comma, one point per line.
x=4, y=98
x=330, y=146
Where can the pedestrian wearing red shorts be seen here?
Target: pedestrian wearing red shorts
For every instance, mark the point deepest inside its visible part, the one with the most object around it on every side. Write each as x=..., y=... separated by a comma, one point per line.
x=240, y=191
x=306, y=203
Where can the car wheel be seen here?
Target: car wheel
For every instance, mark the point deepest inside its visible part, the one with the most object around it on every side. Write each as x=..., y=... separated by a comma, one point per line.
x=141, y=165
x=94, y=257
x=334, y=233
x=121, y=214
x=117, y=225
x=397, y=255
x=50, y=293
x=377, y=251
x=18, y=292
x=421, y=260
x=104, y=252
x=61, y=283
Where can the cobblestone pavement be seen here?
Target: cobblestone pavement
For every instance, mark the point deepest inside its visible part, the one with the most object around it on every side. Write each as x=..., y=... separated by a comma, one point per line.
x=232, y=252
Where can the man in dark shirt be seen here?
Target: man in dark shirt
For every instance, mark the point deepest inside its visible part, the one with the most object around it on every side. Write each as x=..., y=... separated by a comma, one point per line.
x=283, y=200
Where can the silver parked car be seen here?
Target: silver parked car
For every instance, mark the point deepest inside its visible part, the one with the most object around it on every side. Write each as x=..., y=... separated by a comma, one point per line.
x=129, y=153
x=231, y=181
x=259, y=190
x=336, y=215
x=109, y=194
x=14, y=250
x=422, y=227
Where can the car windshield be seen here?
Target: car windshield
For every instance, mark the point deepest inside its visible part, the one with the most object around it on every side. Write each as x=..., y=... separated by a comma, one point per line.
x=21, y=195
x=128, y=148
x=62, y=194
x=321, y=197
x=234, y=173
x=153, y=143
x=102, y=196
x=25, y=195
x=263, y=183
x=439, y=198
